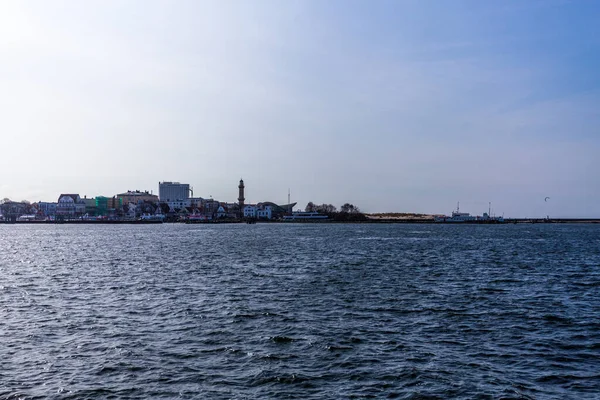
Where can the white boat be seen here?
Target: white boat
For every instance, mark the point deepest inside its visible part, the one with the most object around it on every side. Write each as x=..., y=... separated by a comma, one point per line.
x=304, y=215
x=26, y=218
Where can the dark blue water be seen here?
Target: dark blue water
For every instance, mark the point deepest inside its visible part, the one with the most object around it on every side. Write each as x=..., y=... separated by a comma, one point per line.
x=300, y=311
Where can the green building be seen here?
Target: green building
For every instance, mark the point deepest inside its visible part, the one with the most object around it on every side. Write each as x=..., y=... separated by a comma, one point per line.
x=106, y=205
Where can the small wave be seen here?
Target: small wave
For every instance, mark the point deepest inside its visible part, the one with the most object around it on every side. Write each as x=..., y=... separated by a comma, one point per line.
x=587, y=284
x=278, y=357
x=282, y=339
x=562, y=379
x=339, y=348
x=246, y=316
x=557, y=319
x=265, y=378
x=492, y=290
x=422, y=396
x=375, y=238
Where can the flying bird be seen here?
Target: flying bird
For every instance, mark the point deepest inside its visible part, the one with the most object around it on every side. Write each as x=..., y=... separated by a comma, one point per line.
x=546, y=199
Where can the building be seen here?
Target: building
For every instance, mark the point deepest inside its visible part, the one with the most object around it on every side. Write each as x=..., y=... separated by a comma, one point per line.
x=101, y=205
x=250, y=211
x=176, y=205
x=146, y=207
x=11, y=210
x=264, y=213
x=228, y=210
x=108, y=205
x=114, y=203
x=47, y=209
x=173, y=191
x=260, y=211
x=176, y=195
x=90, y=205
x=131, y=212
x=137, y=197
x=277, y=211
x=70, y=205
x=210, y=208
x=195, y=201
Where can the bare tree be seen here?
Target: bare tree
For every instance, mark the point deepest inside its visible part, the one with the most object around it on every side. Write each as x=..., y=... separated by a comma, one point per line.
x=349, y=208
x=326, y=208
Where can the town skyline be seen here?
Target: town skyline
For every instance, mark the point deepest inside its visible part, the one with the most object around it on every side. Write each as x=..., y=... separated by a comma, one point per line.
x=130, y=195
x=138, y=191
x=400, y=106
x=475, y=207
x=175, y=202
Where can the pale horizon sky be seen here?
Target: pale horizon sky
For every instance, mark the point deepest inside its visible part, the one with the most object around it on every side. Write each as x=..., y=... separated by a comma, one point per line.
x=394, y=106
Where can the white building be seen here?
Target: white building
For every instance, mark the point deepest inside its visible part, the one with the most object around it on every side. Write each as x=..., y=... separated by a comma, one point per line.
x=261, y=212
x=70, y=205
x=249, y=211
x=264, y=212
x=173, y=191
x=177, y=204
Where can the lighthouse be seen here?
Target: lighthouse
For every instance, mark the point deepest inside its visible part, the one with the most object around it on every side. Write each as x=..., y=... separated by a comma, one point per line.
x=241, y=197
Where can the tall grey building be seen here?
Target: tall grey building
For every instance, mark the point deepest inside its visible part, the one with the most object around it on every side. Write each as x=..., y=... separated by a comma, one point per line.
x=172, y=191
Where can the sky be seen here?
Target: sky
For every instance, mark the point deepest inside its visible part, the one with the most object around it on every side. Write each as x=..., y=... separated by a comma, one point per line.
x=393, y=106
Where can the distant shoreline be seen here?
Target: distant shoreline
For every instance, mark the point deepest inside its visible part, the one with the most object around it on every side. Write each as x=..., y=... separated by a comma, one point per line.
x=368, y=221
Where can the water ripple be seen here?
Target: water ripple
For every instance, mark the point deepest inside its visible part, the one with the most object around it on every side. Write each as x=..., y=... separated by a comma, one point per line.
x=299, y=311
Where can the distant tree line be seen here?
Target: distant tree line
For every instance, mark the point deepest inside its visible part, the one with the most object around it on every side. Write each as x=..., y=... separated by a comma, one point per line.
x=347, y=212
x=320, y=208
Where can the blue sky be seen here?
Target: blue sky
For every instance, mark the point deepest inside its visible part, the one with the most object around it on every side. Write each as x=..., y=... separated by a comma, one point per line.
x=406, y=106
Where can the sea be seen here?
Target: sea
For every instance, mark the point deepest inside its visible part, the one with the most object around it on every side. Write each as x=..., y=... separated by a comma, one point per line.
x=300, y=311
